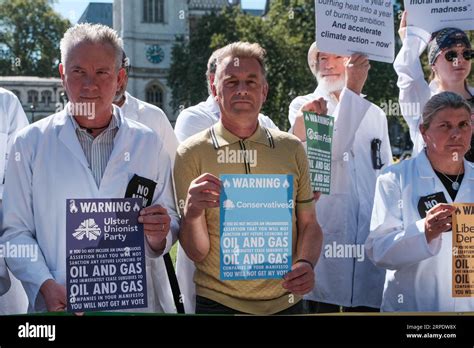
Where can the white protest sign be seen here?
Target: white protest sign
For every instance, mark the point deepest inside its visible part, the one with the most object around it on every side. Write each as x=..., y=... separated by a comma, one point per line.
x=432, y=15
x=356, y=26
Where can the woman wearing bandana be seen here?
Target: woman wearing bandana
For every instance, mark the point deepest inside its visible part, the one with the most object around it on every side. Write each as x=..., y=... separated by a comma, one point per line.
x=449, y=55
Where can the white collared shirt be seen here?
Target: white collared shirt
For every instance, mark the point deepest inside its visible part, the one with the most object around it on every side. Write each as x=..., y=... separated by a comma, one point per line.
x=97, y=150
x=202, y=116
x=12, y=119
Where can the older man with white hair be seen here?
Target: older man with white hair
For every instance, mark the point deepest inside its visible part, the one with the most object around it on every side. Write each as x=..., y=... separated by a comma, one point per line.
x=88, y=150
x=361, y=148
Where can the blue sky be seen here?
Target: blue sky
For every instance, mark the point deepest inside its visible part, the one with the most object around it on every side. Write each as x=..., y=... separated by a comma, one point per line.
x=73, y=9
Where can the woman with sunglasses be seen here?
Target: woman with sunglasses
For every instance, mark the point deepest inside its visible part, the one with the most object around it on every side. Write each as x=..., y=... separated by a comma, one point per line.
x=449, y=55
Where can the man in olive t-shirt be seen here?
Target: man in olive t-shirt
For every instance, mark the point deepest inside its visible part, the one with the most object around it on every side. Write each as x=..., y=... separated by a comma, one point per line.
x=240, y=89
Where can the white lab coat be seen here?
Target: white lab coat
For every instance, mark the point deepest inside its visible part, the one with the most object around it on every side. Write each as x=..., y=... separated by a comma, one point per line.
x=344, y=214
x=12, y=118
x=419, y=274
x=199, y=117
x=154, y=118
x=414, y=90
x=14, y=299
x=53, y=168
x=189, y=122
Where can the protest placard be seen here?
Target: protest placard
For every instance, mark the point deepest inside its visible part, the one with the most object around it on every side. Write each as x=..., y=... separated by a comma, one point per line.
x=319, y=135
x=256, y=226
x=356, y=26
x=463, y=250
x=435, y=15
x=105, y=258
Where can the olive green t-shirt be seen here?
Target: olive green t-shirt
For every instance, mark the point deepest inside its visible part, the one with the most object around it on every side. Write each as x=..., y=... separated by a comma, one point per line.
x=269, y=152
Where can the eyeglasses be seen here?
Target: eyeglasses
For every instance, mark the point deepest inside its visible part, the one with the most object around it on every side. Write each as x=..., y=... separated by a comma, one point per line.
x=452, y=55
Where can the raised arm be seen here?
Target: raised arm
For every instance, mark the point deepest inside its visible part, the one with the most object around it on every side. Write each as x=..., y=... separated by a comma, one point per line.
x=414, y=90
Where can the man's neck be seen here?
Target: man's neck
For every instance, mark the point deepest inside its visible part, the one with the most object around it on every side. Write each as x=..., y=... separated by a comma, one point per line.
x=242, y=129
x=95, y=126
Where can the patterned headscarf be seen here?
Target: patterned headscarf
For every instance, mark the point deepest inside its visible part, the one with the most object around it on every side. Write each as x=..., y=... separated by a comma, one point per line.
x=446, y=38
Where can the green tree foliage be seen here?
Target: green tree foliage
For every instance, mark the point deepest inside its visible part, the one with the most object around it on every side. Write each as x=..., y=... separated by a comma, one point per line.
x=286, y=32
x=187, y=75
x=30, y=32
x=291, y=28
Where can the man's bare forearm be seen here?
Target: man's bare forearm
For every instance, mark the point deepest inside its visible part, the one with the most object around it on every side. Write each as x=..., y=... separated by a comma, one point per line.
x=309, y=243
x=194, y=237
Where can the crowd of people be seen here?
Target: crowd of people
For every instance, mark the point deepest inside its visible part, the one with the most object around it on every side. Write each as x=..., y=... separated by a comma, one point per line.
x=408, y=263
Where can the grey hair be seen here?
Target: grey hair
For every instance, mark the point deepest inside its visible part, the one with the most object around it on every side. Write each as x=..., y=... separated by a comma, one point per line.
x=91, y=33
x=211, y=68
x=440, y=102
x=242, y=49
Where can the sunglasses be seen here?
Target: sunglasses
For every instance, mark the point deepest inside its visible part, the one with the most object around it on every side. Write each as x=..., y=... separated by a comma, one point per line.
x=452, y=55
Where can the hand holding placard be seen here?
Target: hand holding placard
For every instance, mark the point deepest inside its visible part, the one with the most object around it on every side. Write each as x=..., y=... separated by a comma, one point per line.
x=357, y=70
x=438, y=220
x=300, y=280
x=54, y=296
x=156, y=224
x=203, y=193
x=318, y=106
